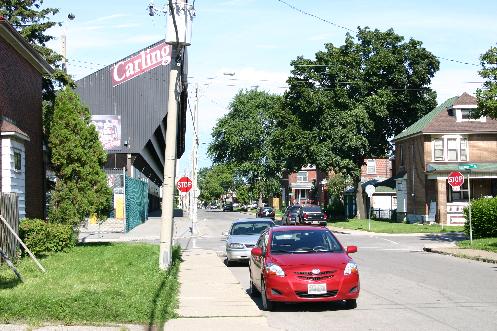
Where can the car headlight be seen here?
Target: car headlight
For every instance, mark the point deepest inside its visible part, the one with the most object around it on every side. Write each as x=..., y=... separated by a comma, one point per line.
x=274, y=269
x=351, y=268
x=236, y=245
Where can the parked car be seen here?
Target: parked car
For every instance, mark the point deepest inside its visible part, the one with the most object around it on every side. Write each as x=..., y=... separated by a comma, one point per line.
x=266, y=212
x=243, y=236
x=214, y=206
x=303, y=264
x=228, y=207
x=290, y=216
x=311, y=214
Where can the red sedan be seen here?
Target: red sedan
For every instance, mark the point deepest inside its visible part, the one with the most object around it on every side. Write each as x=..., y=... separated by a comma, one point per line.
x=303, y=264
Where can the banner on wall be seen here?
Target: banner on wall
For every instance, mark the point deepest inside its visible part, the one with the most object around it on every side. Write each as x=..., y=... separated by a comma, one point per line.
x=109, y=130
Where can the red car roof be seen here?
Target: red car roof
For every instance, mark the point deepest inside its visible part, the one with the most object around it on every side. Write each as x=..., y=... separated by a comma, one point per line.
x=300, y=227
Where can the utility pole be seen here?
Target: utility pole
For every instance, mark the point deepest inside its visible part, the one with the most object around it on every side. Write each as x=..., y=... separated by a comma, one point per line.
x=167, y=224
x=180, y=16
x=195, y=163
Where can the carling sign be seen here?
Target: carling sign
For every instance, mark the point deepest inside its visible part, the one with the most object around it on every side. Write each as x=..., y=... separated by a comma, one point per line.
x=146, y=60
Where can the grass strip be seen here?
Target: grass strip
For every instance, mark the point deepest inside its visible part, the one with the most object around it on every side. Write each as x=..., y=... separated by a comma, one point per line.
x=485, y=244
x=92, y=284
x=391, y=227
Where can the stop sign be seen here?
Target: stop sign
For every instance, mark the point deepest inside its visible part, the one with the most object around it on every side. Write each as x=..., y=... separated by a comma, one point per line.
x=184, y=184
x=455, y=179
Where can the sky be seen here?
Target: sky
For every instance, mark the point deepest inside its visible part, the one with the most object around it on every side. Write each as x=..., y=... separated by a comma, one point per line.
x=242, y=44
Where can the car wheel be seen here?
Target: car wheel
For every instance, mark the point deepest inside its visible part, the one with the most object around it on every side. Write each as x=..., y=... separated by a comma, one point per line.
x=267, y=304
x=228, y=263
x=351, y=304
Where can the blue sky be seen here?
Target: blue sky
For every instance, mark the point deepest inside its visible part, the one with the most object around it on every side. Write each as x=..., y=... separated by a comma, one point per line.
x=257, y=39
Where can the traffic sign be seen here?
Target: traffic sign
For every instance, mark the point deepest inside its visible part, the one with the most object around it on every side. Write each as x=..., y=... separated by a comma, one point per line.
x=455, y=179
x=468, y=166
x=184, y=184
x=370, y=189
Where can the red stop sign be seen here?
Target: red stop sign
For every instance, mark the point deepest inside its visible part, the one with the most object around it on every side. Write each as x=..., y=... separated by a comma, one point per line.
x=184, y=184
x=455, y=179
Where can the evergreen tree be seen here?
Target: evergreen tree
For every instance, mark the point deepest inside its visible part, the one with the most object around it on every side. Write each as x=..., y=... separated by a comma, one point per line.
x=81, y=189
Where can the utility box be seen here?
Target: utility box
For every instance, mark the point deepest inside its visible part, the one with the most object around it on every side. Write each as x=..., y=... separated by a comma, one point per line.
x=183, y=14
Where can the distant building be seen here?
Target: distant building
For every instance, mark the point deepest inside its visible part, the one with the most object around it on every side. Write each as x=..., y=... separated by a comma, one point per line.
x=21, y=148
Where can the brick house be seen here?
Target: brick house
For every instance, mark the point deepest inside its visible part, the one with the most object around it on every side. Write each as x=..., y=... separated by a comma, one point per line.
x=21, y=148
x=437, y=144
x=306, y=186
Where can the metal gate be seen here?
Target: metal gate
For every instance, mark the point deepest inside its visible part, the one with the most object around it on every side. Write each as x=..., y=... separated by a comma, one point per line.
x=10, y=212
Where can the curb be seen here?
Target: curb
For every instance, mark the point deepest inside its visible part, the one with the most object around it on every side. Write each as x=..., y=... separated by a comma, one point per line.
x=460, y=255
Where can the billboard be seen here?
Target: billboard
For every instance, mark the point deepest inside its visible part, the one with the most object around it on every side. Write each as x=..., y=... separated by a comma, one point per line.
x=109, y=130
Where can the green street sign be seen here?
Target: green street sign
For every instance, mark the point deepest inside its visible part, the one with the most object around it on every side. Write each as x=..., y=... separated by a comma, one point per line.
x=468, y=166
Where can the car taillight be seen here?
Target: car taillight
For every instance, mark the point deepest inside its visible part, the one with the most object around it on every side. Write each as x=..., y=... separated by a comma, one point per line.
x=305, y=215
x=325, y=216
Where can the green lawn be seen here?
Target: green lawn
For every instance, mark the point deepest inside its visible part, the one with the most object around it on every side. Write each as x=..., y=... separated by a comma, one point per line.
x=92, y=284
x=388, y=227
x=486, y=244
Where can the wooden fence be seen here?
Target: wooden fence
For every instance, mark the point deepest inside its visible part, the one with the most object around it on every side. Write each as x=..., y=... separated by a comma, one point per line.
x=10, y=212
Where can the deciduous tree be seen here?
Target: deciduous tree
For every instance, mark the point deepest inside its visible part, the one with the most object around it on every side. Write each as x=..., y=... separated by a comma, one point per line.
x=487, y=96
x=350, y=101
x=242, y=139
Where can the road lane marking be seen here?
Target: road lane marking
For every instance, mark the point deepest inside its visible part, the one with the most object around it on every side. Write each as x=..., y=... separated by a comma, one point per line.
x=393, y=242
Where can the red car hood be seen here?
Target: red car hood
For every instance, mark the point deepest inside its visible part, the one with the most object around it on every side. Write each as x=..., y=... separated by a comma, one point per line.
x=300, y=260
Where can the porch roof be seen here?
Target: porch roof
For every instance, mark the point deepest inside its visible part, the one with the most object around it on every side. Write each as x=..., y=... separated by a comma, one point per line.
x=446, y=167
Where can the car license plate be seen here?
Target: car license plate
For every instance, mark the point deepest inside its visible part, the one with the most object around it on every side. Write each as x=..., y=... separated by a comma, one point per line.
x=316, y=288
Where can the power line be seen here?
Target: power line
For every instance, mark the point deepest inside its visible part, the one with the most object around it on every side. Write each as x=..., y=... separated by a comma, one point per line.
x=348, y=29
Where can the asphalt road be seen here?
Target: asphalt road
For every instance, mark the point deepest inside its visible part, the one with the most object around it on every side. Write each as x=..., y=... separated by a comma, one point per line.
x=402, y=287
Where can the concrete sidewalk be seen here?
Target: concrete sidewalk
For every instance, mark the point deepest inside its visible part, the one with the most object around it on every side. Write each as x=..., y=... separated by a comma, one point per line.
x=211, y=298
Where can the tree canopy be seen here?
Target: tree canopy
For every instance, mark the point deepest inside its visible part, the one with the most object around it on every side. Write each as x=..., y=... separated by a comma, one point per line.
x=215, y=181
x=487, y=96
x=348, y=103
x=81, y=188
x=241, y=139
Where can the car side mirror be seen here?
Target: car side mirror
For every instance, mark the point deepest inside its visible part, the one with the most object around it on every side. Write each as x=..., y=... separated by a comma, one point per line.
x=351, y=249
x=256, y=251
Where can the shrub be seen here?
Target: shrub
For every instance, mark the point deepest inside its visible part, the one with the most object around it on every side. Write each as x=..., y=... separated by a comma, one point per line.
x=43, y=238
x=483, y=218
x=336, y=209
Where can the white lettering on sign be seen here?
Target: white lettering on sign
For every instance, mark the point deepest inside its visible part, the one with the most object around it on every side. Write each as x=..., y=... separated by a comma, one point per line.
x=456, y=179
x=146, y=60
x=184, y=184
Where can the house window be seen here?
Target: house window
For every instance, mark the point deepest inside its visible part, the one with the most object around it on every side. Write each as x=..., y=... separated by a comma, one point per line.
x=438, y=147
x=371, y=170
x=17, y=161
x=465, y=114
x=302, y=176
x=450, y=148
x=459, y=196
x=464, y=149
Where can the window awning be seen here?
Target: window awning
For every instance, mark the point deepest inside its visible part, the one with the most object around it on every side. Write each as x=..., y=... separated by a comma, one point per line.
x=447, y=167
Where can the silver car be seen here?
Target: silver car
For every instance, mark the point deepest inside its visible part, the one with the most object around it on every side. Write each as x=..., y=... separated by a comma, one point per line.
x=243, y=236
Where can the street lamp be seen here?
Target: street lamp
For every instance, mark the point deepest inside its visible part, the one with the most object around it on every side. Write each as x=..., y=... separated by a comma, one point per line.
x=70, y=17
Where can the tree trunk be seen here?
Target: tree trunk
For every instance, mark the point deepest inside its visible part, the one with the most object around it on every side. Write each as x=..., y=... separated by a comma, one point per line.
x=360, y=205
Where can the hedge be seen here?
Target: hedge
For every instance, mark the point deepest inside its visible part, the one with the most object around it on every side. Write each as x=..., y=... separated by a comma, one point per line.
x=483, y=218
x=43, y=238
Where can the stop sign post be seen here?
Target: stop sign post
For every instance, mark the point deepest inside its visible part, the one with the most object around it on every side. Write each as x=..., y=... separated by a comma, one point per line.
x=184, y=184
x=455, y=179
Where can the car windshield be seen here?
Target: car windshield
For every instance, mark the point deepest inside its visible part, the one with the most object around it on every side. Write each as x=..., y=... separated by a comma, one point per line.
x=312, y=209
x=293, y=209
x=248, y=228
x=304, y=241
